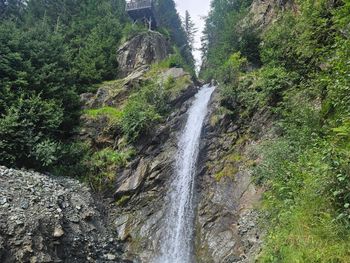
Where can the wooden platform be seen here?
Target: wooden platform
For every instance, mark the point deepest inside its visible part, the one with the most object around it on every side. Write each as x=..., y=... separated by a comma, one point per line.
x=143, y=11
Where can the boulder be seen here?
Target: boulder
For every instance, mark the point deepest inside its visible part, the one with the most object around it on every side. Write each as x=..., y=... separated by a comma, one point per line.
x=174, y=73
x=142, y=50
x=132, y=183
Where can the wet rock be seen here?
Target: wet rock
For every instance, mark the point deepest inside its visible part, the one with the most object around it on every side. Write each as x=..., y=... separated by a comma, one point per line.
x=144, y=183
x=226, y=226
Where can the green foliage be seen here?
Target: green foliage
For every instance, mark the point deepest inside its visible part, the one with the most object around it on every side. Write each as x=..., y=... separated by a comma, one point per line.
x=168, y=18
x=25, y=127
x=143, y=110
x=338, y=157
x=50, y=52
x=113, y=114
x=301, y=42
x=224, y=36
x=231, y=69
x=307, y=170
x=265, y=87
x=173, y=87
x=130, y=30
x=300, y=205
x=103, y=166
x=45, y=152
x=175, y=60
x=190, y=29
x=280, y=43
x=297, y=170
x=73, y=160
x=138, y=119
x=95, y=61
x=230, y=73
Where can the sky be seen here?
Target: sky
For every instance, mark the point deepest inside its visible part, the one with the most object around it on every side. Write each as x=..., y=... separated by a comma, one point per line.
x=197, y=9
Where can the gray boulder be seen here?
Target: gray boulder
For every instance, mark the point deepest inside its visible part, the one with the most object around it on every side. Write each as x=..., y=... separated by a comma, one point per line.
x=143, y=49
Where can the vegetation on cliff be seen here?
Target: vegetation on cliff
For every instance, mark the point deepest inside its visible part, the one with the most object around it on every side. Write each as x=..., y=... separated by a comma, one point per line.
x=51, y=52
x=298, y=69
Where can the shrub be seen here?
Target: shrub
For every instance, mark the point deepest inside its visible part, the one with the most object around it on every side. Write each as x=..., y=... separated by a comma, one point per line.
x=25, y=128
x=103, y=167
x=339, y=169
x=138, y=118
x=73, y=160
x=144, y=110
x=232, y=68
x=130, y=30
x=113, y=114
x=272, y=82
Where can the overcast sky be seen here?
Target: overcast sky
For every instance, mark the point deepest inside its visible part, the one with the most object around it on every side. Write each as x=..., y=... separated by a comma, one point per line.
x=197, y=9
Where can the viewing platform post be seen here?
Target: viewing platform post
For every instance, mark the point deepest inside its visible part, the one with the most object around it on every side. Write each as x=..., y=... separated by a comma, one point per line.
x=143, y=11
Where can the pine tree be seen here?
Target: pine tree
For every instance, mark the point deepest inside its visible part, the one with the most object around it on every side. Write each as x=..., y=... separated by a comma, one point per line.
x=190, y=29
x=170, y=19
x=10, y=8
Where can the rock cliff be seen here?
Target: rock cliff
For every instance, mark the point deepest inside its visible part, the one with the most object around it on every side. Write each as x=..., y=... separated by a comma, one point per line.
x=227, y=220
x=263, y=13
x=142, y=50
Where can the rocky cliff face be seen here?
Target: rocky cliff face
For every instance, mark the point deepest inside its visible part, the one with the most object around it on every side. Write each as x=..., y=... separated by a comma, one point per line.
x=140, y=188
x=226, y=222
x=264, y=12
x=227, y=229
x=142, y=50
x=143, y=187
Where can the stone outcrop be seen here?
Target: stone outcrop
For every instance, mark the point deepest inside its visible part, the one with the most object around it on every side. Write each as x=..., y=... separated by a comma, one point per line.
x=226, y=223
x=46, y=219
x=142, y=50
x=264, y=12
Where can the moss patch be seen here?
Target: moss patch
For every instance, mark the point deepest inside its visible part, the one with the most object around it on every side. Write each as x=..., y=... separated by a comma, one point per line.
x=123, y=200
x=232, y=162
x=111, y=113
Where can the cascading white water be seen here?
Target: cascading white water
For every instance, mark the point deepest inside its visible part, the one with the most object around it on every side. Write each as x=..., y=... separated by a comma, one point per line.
x=176, y=246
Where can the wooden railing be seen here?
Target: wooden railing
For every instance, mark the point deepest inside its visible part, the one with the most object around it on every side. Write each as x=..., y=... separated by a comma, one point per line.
x=138, y=4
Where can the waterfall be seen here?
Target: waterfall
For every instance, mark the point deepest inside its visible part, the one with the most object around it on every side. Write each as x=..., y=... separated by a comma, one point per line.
x=177, y=239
